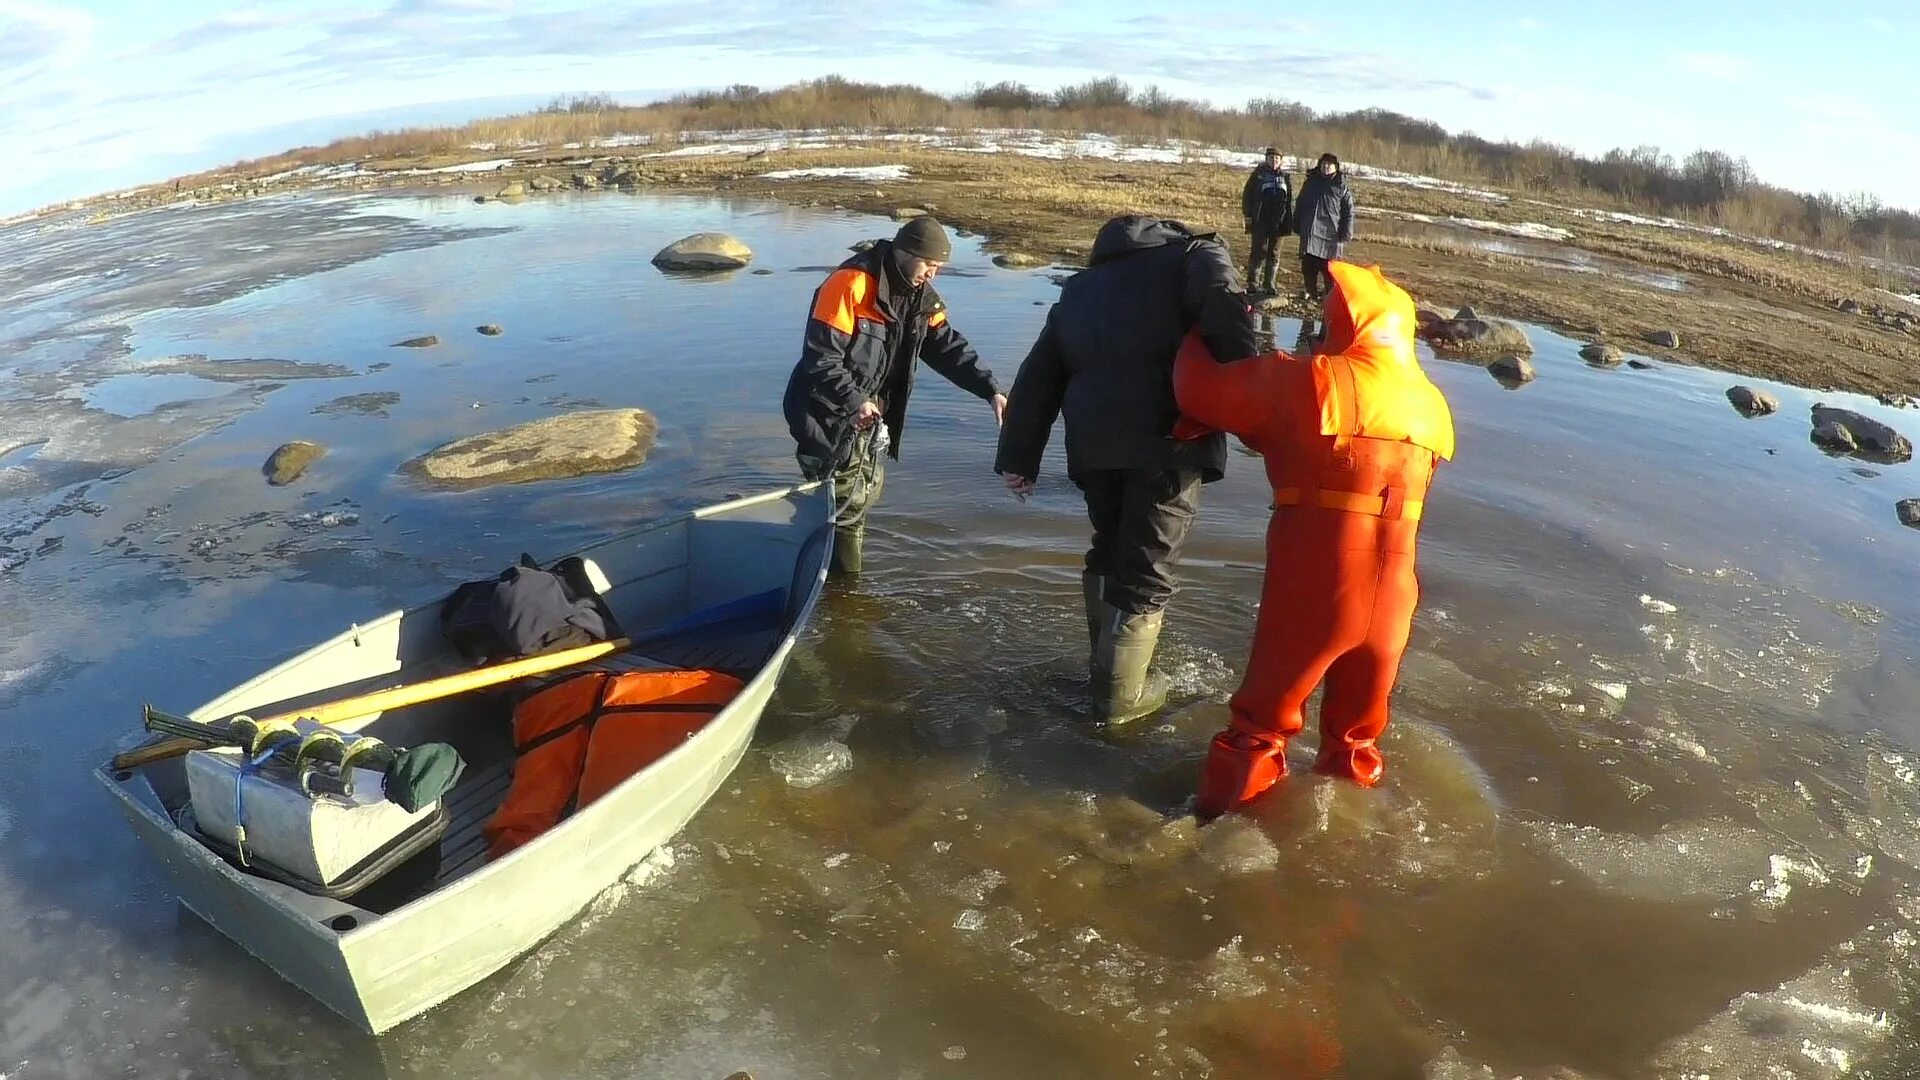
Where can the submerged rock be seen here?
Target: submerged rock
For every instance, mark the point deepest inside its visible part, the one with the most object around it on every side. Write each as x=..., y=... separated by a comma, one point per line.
x=1479, y=337
x=1869, y=434
x=490, y=329
x=1909, y=512
x=1018, y=260
x=1512, y=372
x=427, y=342
x=704, y=252
x=1666, y=339
x=1600, y=354
x=575, y=444
x=1751, y=402
x=291, y=461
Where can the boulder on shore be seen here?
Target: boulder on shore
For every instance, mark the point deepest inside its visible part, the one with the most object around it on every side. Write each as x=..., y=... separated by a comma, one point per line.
x=1479, y=337
x=704, y=252
x=515, y=190
x=574, y=444
x=1750, y=402
x=290, y=461
x=1018, y=260
x=1666, y=339
x=544, y=183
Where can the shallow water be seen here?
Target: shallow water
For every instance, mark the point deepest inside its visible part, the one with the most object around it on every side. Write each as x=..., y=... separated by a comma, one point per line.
x=1652, y=806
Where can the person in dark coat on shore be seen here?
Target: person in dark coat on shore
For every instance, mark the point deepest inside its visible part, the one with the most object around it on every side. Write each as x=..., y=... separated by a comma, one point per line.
x=1105, y=361
x=1323, y=218
x=846, y=402
x=1267, y=205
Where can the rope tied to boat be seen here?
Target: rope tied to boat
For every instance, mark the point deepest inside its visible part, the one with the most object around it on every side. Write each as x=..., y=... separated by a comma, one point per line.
x=247, y=768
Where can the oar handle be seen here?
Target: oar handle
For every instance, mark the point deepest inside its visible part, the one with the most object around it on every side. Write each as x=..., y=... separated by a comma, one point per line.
x=397, y=697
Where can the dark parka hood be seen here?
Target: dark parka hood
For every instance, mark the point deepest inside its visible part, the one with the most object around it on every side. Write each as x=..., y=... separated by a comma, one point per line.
x=1136, y=232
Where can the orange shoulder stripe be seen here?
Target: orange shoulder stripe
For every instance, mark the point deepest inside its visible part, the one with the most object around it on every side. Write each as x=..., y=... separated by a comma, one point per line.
x=846, y=296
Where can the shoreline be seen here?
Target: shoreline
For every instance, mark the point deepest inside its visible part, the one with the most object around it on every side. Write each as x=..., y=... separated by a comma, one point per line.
x=1738, y=305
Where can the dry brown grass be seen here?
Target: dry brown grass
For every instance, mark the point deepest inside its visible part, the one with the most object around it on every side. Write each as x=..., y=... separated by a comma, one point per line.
x=1708, y=188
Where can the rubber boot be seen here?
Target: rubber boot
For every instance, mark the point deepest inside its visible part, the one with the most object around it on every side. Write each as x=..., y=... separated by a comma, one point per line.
x=1359, y=762
x=1124, y=685
x=1093, y=588
x=847, y=545
x=1240, y=767
x=1266, y=283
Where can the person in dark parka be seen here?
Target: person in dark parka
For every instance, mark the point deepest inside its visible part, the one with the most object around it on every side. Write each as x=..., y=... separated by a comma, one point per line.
x=1323, y=218
x=846, y=401
x=1266, y=202
x=1105, y=361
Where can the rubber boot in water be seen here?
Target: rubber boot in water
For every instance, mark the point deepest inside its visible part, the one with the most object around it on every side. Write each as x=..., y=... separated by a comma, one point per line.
x=1240, y=767
x=1093, y=588
x=847, y=544
x=1125, y=685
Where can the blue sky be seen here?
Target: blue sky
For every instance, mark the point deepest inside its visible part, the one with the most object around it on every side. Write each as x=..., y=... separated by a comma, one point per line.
x=96, y=94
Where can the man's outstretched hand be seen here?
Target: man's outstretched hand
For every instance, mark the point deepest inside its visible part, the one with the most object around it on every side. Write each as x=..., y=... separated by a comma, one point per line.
x=1000, y=409
x=1019, y=486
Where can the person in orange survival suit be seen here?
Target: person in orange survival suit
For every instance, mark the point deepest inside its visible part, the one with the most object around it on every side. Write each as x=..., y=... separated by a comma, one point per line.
x=1351, y=437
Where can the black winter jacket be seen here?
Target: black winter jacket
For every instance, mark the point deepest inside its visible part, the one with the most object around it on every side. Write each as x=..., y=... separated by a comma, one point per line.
x=863, y=334
x=1267, y=200
x=1105, y=357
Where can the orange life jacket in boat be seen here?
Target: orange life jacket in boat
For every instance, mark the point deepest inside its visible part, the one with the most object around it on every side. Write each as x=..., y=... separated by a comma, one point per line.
x=580, y=737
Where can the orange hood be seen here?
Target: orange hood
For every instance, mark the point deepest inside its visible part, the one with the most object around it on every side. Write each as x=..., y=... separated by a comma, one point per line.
x=1370, y=325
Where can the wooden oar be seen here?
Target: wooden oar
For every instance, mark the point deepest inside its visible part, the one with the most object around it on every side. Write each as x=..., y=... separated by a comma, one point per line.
x=399, y=697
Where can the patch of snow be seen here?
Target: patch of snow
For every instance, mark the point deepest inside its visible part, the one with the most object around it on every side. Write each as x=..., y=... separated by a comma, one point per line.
x=490, y=165
x=1658, y=607
x=866, y=172
x=1911, y=298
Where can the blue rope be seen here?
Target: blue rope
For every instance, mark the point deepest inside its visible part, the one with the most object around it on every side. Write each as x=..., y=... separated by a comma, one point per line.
x=247, y=768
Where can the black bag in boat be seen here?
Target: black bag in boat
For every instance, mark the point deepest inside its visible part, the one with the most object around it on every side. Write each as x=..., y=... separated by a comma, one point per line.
x=526, y=611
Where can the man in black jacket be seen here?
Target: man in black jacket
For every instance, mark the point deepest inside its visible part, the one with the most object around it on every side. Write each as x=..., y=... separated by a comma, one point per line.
x=1267, y=205
x=846, y=402
x=1105, y=360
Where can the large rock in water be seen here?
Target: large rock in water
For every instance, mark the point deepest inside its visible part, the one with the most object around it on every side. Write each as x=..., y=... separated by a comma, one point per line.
x=1909, y=511
x=576, y=444
x=704, y=251
x=1870, y=434
x=1600, y=354
x=1751, y=402
x=286, y=464
x=1513, y=372
x=1479, y=337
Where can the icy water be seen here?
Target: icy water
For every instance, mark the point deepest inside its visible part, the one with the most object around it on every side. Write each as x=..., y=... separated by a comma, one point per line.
x=1652, y=807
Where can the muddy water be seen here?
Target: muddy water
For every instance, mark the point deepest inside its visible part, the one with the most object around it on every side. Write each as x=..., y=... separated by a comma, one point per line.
x=1652, y=807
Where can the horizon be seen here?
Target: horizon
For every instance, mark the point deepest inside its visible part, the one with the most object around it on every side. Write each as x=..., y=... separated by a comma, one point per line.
x=147, y=97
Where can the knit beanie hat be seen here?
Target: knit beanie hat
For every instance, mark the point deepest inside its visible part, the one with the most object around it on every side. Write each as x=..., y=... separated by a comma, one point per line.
x=923, y=238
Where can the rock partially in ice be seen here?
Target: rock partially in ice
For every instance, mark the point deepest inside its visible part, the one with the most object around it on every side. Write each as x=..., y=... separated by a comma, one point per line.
x=810, y=760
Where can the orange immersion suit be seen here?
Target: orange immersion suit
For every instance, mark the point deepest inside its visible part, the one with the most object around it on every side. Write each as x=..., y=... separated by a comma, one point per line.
x=1351, y=436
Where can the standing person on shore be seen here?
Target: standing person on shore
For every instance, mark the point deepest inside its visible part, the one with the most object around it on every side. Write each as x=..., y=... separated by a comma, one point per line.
x=1105, y=361
x=846, y=402
x=1323, y=218
x=1267, y=205
x=1351, y=436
